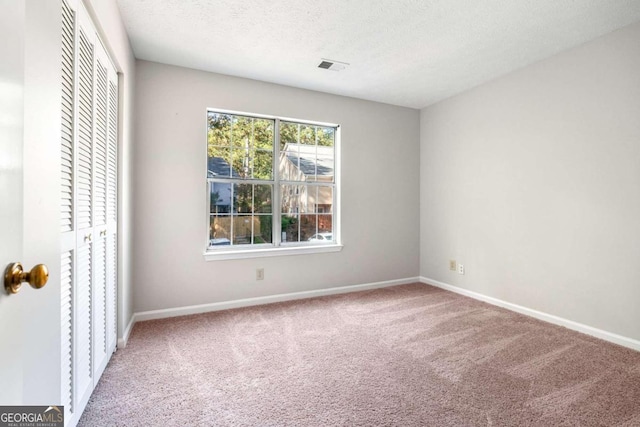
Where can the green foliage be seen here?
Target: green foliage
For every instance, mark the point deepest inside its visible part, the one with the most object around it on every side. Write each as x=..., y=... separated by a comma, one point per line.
x=288, y=221
x=299, y=133
x=252, y=198
x=243, y=201
x=266, y=229
x=290, y=226
x=246, y=143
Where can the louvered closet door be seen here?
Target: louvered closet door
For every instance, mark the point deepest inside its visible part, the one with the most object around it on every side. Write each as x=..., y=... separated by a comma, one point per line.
x=112, y=212
x=67, y=211
x=84, y=204
x=99, y=297
x=88, y=208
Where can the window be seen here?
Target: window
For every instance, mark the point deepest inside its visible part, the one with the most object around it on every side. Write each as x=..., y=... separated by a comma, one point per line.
x=271, y=183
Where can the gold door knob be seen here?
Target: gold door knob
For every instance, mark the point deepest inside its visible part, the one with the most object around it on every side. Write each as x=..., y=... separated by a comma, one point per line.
x=14, y=276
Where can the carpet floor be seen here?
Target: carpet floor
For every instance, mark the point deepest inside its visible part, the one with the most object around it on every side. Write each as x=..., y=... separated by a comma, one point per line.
x=410, y=355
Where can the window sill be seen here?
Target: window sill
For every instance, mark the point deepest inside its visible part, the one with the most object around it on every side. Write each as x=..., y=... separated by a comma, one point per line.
x=220, y=255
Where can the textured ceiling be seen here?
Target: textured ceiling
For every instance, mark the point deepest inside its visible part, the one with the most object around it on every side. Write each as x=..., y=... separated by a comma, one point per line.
x=404, y=52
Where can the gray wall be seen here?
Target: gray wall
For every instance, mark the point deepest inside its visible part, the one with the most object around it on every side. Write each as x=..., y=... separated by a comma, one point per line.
x=532, y=182
x=380, y=179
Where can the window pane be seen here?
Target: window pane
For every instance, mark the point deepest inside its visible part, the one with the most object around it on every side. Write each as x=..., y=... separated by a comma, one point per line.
x=290, y=199
x=220, y=198
x=262, y=229
x=289, y=228
x=241, y=131
x=219, y=133
x=324, y=200
x=263, y=134
x=288, y=166
x=316, y=163
x=241, y=214
x=220, y=230
x=307, y=168
x=308, y=227
x=306, y=163
x=288, y=134
x=262, y=199
x=263, y=165
x=326, y=136
x=240, y=163
x=307, y=135
x=218, y=163
x=242, y=229
x=324, y=164
x=325, y=226
x=252, y=198
x=306, y=199
x=242, y=198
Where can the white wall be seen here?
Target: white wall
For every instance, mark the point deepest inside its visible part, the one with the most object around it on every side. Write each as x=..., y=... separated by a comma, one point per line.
x=380, y=202
x=107, y=18
x=532, y=182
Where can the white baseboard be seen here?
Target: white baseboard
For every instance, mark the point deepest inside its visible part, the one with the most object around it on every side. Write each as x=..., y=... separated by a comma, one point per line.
x=122, y=342
x=247, y=302
x=570, y=324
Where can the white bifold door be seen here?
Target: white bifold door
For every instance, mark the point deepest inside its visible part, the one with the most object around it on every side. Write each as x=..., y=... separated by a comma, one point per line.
x=88, y=208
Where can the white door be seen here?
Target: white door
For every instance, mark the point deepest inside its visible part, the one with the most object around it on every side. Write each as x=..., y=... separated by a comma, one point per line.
x=30, y=91
x=11, y=101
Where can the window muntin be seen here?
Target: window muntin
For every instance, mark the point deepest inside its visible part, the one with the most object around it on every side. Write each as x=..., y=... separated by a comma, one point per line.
x=306, y=211
x=271, y=182
x=240, y=147
x=307, y=152
x=240, y=213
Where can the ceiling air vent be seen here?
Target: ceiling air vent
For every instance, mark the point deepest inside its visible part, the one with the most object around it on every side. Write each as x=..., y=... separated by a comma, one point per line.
x=330, y=64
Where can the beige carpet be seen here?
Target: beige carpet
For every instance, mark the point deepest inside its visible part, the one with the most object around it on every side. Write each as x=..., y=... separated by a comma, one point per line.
x=409, y=355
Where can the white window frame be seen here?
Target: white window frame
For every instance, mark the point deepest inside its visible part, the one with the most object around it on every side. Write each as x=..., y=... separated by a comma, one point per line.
x=278, y=247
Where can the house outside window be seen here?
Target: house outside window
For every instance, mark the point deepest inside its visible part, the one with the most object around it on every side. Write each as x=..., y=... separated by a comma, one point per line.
x=271, y=182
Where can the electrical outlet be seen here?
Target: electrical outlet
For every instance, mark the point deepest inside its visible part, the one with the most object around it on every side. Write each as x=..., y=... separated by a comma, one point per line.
x=259, y=273
x=460, y=269
x=452, y=265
